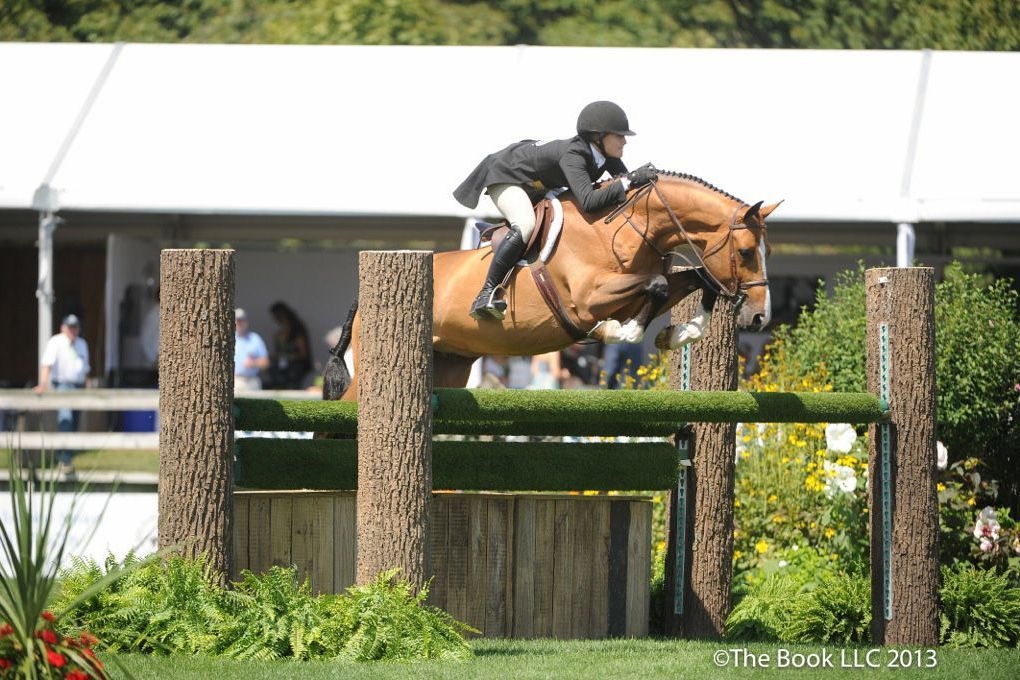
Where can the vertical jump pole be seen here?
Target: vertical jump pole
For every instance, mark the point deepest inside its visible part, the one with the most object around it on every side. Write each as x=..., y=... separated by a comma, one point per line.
x=395, y=414
x=196, y=392
x=709, y=485
x=902, y=457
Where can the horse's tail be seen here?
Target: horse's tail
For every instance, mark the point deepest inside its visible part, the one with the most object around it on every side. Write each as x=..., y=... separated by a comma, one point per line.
x=336, y=378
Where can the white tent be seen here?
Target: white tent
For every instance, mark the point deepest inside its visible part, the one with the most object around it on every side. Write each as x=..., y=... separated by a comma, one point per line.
x=845, y=137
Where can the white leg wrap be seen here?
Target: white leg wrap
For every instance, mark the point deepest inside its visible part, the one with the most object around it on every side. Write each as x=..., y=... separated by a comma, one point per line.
x=615, y=332
x=689, y=332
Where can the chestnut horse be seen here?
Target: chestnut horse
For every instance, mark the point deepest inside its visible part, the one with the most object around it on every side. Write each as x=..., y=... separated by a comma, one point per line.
x=612, y=273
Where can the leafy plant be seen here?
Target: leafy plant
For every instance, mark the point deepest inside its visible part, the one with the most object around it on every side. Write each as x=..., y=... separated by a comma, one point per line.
x=980, y=608
x=32, y=550
x=838, y=611
x=765, y=612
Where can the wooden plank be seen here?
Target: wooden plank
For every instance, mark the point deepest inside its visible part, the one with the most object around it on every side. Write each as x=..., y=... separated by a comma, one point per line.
x=81, y=441
x=598, y=626
x=563, y=567
x=303, y=534
x=497, y=559
x=241, y=539
x=322, y=543
x=457, y=563
x=440, y=549
x=523, y=577
x=545, y=528
x=113, y=399
x=639, y=568
x=619, y=529
x=478, y=577
x=580, y=620
x=281, y=508
x=345, y=539
x=260, y=548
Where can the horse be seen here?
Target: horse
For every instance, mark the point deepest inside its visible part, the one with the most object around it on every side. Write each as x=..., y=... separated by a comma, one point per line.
x=607, y=277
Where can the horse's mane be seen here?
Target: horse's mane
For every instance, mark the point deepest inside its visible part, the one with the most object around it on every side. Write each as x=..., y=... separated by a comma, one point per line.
x=697, y=180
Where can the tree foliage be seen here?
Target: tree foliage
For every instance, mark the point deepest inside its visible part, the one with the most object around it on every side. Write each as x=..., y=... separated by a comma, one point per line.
x=816, y=24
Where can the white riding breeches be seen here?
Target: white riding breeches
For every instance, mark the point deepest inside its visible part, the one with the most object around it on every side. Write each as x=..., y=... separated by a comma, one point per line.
x=515, y=205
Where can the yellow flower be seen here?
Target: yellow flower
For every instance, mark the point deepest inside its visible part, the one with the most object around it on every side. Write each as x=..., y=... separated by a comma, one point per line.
x=761, y=546
x=737, y=554
x=830, y=532
x=940, y=487
x=970, y=501
x=772, y=498
x=736, y=502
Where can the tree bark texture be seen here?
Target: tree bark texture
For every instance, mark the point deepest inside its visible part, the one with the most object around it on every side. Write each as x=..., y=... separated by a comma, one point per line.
x=395, y=414
x=709, y=555
x=196, y=390
x=904, y=300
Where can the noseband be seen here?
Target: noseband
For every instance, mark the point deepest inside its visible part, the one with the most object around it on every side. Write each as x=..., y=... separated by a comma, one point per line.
x=738, y=292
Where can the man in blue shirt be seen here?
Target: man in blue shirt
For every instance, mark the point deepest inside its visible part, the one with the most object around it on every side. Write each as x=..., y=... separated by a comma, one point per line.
x=250, y=355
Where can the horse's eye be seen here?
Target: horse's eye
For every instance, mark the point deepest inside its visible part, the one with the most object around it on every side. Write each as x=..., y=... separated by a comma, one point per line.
x=747, y=253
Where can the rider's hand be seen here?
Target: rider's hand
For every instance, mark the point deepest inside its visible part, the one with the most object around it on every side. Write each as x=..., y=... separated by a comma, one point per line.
x=643, y=175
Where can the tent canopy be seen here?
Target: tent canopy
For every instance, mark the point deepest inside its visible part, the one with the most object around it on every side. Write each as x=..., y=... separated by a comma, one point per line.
x=842, y=136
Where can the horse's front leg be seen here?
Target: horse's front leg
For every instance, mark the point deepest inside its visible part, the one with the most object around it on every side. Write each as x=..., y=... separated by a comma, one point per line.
x=653, y=291
x=681, y=284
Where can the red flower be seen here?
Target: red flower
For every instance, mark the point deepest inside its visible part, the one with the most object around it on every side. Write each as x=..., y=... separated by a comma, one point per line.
x=88, y=638
x=4, y=664
x=77, y=675
x=48, y=635
x=6, y=630
x=56, y=660
x=49, y=616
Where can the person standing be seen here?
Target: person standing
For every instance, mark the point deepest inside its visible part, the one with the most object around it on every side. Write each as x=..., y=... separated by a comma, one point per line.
x=65, y=364
x=291, y=358
x=250, y=355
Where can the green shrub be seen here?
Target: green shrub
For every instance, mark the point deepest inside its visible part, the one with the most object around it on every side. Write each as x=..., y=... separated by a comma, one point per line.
x=177, y=608
x=838, y=611
x=765, y=612
x=977, y=348
x=980, y=607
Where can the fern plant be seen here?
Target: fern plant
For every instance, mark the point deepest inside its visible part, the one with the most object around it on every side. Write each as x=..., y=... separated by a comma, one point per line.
x=838, y=611
x=980, y=607
x=765, y=612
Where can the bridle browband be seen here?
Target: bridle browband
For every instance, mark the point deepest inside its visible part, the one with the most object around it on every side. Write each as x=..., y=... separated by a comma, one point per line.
x=739, y=289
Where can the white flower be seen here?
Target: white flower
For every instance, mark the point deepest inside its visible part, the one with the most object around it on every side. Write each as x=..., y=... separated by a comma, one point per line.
x=986, y=545
x=987, y=525
x=782, y=563
x=741, y=451
x=942, y=459
x=839, y=478
x=840, y=437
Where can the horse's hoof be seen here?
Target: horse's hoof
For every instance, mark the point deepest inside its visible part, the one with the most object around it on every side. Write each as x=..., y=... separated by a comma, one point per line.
x=685, y=334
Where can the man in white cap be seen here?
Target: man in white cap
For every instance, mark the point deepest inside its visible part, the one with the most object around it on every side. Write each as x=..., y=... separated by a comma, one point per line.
x=65, y=363
x=250, y=355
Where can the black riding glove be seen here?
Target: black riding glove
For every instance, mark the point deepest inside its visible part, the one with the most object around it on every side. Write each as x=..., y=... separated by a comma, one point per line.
x=643, y=175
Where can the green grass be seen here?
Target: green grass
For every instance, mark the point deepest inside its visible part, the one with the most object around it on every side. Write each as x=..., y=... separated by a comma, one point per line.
x=502, y=659
x=121, y=461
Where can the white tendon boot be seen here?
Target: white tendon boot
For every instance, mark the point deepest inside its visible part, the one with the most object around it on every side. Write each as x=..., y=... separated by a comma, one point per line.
x=692, y=331
x=616, y=332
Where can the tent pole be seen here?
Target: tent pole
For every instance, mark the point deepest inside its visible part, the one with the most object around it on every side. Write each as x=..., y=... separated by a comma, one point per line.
x=44, y=289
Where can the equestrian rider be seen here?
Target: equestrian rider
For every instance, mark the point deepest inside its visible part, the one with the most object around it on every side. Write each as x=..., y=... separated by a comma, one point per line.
x=519, y=175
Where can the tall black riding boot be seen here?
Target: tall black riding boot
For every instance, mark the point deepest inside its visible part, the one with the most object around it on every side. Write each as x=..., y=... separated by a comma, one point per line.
x=508, y=253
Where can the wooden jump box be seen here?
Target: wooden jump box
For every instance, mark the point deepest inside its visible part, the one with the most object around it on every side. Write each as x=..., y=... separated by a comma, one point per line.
x=511, y=565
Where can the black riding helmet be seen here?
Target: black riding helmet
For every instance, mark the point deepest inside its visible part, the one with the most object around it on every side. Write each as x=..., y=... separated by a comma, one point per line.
x=602, y=117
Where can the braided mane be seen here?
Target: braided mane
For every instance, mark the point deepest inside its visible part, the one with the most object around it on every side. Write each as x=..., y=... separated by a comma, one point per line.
x=698, y=180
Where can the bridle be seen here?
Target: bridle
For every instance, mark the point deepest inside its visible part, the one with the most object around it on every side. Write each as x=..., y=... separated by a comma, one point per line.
x=738, y=291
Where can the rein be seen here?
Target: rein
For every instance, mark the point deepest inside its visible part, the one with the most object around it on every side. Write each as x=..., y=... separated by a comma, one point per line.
x=710, y=279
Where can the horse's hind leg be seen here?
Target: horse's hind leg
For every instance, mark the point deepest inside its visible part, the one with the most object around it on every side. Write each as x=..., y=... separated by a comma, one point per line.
x=450, y=370
x=681, y=285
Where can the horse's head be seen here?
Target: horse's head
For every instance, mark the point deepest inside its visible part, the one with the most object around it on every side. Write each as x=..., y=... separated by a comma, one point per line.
x=728, y=236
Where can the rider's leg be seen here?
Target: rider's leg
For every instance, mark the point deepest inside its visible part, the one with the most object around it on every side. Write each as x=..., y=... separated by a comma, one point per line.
x=515, y=204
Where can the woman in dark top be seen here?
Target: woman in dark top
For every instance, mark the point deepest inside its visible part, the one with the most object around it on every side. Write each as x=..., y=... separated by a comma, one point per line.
x=291, y=358
x=520, y=174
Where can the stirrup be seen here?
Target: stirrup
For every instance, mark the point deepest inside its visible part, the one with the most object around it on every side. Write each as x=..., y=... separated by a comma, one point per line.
x=488, y=308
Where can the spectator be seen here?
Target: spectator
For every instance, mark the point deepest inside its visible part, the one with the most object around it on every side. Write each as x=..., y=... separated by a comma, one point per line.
x=291, y=359
x=545, y=371
x=250, y=355
x=65, y=363
x=621, y=362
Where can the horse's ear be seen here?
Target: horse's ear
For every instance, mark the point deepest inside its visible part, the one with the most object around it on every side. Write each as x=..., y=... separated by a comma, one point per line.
x=767, y=210
x=752, y=213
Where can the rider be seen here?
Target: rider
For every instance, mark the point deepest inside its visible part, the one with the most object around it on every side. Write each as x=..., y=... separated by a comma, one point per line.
x=521, y=173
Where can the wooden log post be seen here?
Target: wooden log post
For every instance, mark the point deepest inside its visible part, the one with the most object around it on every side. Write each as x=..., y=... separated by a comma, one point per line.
x=395, y=415
x=708, y=565
x=902, y=457
x=196, y=390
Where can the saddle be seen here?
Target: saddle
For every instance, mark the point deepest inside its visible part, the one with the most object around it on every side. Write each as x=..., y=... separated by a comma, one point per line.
x=548, y=226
